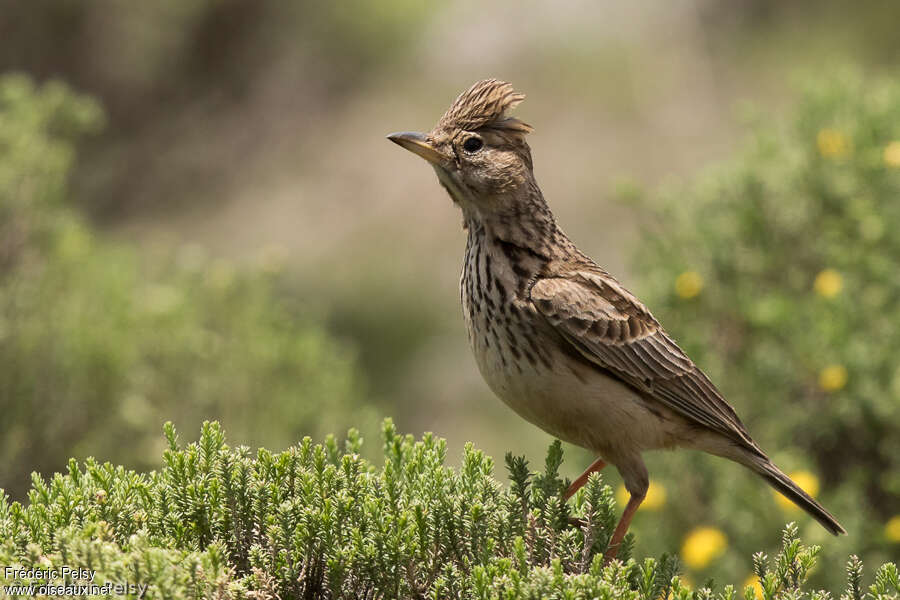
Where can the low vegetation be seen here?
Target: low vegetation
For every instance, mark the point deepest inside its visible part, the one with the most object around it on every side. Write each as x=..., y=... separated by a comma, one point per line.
x=319, y=521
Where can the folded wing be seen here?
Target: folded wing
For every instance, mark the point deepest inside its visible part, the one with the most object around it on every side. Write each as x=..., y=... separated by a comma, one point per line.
x=611, y=328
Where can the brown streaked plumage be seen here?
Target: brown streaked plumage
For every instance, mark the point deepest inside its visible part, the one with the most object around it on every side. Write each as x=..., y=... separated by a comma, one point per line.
x=555, y=336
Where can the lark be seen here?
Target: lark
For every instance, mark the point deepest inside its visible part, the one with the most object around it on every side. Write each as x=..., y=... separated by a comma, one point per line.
x=554, y=335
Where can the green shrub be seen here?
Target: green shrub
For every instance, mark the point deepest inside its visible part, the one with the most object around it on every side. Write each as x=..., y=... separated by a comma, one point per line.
x=778, y=272
x=319, y=521
x=99, y=345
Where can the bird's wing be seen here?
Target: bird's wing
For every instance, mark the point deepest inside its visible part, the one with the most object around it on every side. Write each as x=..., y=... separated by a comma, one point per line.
x=615, y=332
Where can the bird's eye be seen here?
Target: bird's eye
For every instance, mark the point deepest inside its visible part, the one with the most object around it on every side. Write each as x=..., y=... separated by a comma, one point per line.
x=473, y=144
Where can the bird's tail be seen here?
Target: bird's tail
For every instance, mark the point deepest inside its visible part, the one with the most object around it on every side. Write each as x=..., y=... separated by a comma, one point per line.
x=781, y=482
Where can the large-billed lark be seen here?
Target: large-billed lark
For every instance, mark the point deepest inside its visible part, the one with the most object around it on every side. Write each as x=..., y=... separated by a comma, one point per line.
x=555, y=336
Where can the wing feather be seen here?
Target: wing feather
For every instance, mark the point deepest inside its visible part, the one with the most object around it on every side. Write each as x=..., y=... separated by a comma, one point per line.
x=613, y=330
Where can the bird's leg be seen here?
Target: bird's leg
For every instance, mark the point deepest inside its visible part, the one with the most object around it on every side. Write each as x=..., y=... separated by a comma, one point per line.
x=622, y=528
x=582, y=479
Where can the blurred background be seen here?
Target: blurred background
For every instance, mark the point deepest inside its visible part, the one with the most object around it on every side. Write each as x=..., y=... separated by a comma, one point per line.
x=200, y=218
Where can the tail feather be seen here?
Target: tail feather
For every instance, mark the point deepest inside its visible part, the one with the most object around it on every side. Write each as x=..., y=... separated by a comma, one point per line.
x=781, y=482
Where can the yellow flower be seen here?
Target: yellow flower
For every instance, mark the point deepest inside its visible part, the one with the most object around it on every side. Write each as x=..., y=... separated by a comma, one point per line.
x=807, y=481
x=832, y=378
x=656, y=496
x=752, y=581
x=828, y=283
x=688, y=284
x=702, y=545
x=892, y=529
x=892, y=154
x=832, y=143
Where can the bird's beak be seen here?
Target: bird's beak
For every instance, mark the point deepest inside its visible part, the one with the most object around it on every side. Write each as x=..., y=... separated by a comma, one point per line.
x=417, y=143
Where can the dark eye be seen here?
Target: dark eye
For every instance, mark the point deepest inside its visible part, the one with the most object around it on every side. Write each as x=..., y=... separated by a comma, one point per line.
x=473, y=144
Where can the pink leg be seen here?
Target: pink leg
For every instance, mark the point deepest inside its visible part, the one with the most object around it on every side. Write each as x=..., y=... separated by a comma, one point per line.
x=582, y=479
x=622, y=528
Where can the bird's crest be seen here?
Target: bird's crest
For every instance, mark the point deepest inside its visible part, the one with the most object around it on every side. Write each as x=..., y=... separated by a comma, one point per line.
x=485, y=105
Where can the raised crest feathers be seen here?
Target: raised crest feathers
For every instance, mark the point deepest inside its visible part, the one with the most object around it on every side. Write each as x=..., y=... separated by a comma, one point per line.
x=485, y=104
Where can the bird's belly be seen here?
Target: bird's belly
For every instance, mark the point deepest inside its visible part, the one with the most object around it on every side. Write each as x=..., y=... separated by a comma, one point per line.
x=577, y=403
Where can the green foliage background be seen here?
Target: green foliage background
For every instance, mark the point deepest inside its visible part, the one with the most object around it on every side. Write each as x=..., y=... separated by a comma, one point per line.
x=816, y=195
x=99, y=344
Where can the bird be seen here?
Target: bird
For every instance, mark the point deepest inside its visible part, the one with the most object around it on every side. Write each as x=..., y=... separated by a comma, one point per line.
x=555, y=336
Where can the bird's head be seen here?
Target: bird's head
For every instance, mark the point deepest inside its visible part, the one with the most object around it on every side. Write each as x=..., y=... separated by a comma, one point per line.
x=478, y=151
